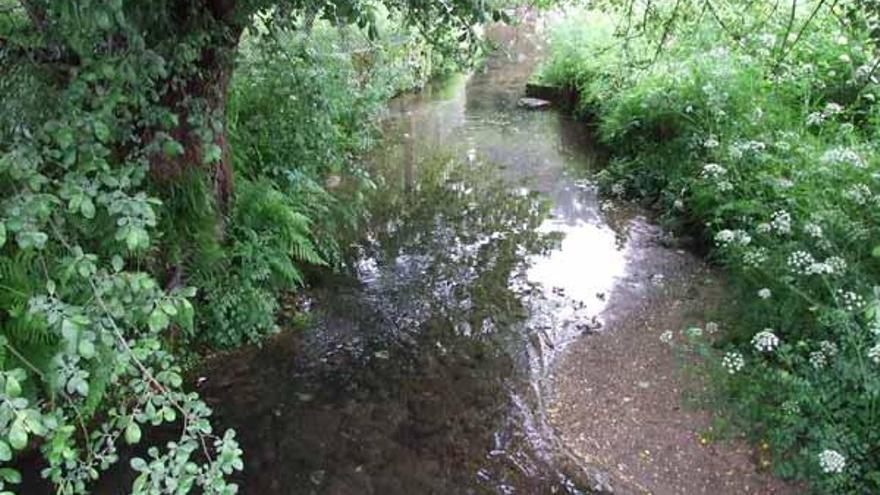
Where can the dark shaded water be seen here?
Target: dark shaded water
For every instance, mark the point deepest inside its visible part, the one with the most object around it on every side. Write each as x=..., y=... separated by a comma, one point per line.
x=427, y=371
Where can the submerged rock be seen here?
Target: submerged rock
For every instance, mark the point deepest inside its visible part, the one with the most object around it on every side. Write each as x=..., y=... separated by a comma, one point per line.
x=533, y=103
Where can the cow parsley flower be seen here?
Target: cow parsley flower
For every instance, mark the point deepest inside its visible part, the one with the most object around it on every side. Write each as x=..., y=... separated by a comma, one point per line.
x=831, y=461
x=829, y=348
x=874, y=354
x=754, y=258
x=765, y=293
x=618, y=189
x=798, y=261
x=791, y=407
x=845, y=156
x=833, y=109
x=850, y=300
x=666, y=337
x=733, y=362
x=858, y=194
x=813, y=230
x=765, y=340
x=711, y=327
x=781, y=222
x=724, y=186
x=818, y=359
x=713, y=171
x=727, y=236
x=836, y=263
x=815, y=119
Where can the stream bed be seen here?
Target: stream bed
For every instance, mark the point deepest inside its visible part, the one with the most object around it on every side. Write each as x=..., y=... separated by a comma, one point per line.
x=430, y=369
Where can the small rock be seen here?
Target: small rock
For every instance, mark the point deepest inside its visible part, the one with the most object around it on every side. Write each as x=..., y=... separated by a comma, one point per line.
x=317, y=477
x=533, y=103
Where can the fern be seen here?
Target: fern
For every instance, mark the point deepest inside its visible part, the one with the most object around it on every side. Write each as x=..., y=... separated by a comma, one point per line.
x=27, y=333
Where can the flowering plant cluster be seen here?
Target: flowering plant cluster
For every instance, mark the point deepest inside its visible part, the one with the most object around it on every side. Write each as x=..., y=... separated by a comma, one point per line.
x=757, y=130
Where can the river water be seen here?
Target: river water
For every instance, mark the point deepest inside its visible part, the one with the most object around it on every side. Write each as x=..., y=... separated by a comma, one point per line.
x=427, y=370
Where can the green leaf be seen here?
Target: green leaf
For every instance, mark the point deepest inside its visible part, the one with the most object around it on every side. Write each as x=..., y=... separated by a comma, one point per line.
x=5, y=452
x=158, y=320
x=132, y=433
x=168, y=308
x=102, y=132
x=86, y=349
x=138, y=464
x=10, y=475
x=2, y=234
x=87, y=207
x=18, y=437
x=186, y=315
x=172, y=148
x=213, y=153
x=13, y=388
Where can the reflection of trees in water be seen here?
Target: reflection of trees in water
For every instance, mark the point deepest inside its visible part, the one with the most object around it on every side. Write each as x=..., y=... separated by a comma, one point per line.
x=450, y=249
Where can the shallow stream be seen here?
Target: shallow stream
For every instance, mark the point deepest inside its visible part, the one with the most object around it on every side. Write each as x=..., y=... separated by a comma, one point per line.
x=428, y=371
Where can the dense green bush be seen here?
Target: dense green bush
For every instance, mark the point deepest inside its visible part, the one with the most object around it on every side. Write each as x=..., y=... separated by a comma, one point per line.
x=756, y=129
x=167, y=170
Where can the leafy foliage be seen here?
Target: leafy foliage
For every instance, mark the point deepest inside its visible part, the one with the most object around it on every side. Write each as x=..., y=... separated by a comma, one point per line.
x=755, y=127
x=117, y=200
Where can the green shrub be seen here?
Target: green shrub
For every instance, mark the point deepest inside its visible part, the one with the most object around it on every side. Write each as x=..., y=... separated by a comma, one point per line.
x=767, y=149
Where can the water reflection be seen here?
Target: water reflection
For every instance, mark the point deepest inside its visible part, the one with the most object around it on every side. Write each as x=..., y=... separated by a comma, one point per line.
x=427, y=371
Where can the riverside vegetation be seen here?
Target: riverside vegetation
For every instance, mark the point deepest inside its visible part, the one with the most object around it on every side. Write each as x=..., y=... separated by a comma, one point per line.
x=754, y=127
x=168, y=170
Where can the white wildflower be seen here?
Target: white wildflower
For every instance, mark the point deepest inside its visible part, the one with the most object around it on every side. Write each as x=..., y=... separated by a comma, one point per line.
x=829, y=348
x=818, y=359
x=791, y=407
x=711, y=142
x=765, y=340
x=818, y=268
x=711, y=327
x=813, y=230
x=733, y=362
x=831, y=461
x=727, y=236
x=618, y=189
x=784, y=183
x=874, y=354
x=833, y=109
x=765, y=293
x=850, y=300
x=764, y=228
x=678, y=204
x=858, y=194
x=713, y=171
x=837, y=264
x=754, y=258
x=781, y=222
x=815, y=119
x=666, y=337
x=846, y=156
x=724, y=186
x=799, y=261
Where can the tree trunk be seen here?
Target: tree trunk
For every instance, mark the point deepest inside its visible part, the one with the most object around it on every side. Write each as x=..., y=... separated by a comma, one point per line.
x=205, y=91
